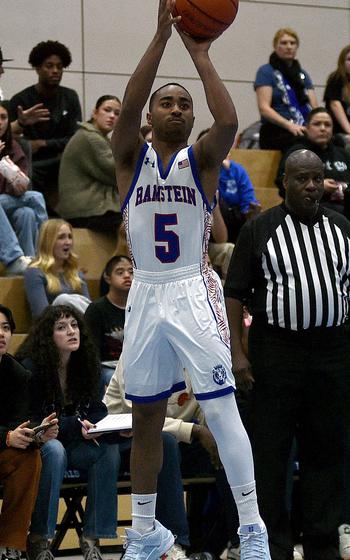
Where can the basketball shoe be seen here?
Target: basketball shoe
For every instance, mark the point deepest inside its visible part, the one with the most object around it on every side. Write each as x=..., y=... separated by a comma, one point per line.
x=254, y=542
x=150, y=546
x=344, y=541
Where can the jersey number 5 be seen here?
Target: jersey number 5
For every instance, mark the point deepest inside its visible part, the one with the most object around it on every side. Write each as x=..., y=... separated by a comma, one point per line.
x=169, y=252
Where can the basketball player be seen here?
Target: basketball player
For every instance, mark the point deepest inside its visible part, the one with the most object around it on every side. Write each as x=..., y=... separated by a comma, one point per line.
x=175, y=315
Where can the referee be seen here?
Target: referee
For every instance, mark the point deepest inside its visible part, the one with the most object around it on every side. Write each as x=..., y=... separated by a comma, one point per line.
x=291, y=267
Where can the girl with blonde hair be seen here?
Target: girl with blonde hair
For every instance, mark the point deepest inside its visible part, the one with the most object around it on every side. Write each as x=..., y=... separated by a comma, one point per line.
x=54, y=277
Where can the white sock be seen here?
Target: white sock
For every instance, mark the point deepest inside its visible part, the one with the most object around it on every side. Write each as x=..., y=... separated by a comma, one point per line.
x=143, y=512
x=246, y=502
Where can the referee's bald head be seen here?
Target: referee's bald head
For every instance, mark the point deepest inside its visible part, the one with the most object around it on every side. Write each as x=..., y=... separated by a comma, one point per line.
x=300, y=158
x=304, y=183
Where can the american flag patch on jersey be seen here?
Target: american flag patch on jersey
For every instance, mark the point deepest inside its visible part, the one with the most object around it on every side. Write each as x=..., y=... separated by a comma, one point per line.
x=184, y=163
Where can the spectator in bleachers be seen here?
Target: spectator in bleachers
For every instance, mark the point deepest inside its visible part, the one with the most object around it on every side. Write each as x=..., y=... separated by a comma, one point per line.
x=121, y=249
x=22, y=210
x=87, y=185
x=285, y=94
x=319, y=139
x=105, y=316
x=337, y=96
x=20, y=463
x=65, y=378
x=46, y=113
x=54, y=277
x=237, y=198
x=238, y=202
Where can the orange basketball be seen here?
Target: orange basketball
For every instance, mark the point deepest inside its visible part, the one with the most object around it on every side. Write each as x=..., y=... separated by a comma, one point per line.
x=205, y=19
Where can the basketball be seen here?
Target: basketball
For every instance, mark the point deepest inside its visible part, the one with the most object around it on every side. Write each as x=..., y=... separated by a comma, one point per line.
x=205, y=19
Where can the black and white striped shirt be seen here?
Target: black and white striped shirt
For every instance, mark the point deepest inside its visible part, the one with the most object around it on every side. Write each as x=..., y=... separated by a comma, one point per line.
x=296, y=276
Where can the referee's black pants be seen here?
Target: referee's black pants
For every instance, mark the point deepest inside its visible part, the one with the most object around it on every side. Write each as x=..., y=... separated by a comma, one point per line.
x=302, y=390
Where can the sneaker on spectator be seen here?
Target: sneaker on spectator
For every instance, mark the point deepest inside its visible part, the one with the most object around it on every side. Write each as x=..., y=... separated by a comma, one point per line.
x=298, y=552
x=177, y=552
x=90, y=548
x=39, y=550
x=233, y=551
x=254, y=542
x=344, y=541
x=10, y=554
x=150, y=546
x=18, y=266
x=201, y=556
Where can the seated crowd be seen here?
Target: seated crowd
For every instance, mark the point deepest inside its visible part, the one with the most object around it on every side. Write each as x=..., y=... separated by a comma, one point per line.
x=68, y=372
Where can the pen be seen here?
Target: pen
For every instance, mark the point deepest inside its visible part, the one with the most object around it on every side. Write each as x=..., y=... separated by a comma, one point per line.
x=86, y=430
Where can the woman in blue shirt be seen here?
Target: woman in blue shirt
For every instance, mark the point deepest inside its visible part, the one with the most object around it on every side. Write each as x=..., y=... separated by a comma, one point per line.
x=285, y=94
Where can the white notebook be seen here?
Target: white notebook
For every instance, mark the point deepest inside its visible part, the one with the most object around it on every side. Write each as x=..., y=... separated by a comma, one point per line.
x=113, y=423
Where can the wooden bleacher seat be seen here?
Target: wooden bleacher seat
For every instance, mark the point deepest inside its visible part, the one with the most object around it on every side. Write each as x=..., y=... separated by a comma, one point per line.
x=261, y=166
x=94, y=249
x=12, y=295
x=16, y=341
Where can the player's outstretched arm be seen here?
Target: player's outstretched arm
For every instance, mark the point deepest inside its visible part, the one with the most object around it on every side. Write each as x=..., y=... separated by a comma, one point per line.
x=126, y=137
x=216, y=144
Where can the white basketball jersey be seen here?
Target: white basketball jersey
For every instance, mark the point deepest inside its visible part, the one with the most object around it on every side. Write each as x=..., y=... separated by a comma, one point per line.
x=166, y=214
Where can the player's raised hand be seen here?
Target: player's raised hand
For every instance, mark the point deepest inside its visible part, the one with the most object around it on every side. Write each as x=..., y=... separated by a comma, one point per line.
x=165, y=18
x=194, y=46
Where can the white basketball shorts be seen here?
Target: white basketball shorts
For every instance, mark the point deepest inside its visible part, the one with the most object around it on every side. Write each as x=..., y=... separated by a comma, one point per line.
x=176, y=319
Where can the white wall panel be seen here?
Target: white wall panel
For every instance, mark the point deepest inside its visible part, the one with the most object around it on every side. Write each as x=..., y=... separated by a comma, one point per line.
x=25, y=23
x=108, y=37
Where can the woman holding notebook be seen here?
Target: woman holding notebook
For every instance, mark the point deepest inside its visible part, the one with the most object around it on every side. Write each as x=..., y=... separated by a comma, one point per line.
x=65, y=380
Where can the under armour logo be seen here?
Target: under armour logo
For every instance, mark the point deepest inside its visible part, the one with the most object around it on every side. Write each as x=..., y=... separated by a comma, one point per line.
x=148, y=161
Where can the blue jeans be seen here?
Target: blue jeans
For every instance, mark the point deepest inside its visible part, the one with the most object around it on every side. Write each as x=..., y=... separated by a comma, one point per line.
x=170, y=508
x=10, y=249
x=23, y=218
x=101, y=464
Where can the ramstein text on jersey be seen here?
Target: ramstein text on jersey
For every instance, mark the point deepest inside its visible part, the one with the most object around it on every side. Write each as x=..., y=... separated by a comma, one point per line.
x=165, y=193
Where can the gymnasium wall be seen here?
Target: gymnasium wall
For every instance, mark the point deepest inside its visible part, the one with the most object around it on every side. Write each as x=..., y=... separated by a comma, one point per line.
x=107, y=38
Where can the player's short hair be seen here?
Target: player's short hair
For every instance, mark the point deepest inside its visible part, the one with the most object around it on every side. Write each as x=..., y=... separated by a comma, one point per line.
x=43, y=50
x=164, y=86
x=8, y=314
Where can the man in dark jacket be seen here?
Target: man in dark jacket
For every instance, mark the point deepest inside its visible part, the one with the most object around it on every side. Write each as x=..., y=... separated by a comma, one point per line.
x=46, y=113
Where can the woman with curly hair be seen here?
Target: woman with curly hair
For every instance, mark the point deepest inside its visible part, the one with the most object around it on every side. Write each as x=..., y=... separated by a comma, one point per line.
x=337, y=95
x=65, y=380
x=54, y=276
